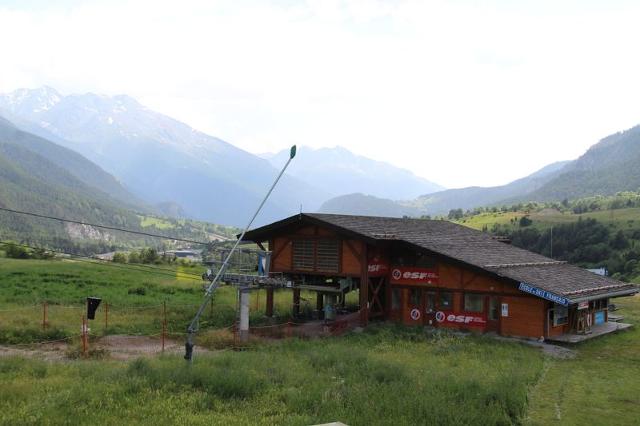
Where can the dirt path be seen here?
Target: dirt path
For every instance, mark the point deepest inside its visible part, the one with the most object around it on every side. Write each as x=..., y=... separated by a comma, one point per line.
x=119, y=347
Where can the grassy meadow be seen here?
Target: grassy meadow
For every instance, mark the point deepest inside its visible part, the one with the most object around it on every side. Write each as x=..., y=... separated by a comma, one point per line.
x=135, y=296
x=388, y=374
x=615, y=219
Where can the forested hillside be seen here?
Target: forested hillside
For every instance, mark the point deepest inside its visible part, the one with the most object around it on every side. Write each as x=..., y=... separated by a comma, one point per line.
x=41, y=177
x=74, y=163
x=610, y=166
x=602, y=231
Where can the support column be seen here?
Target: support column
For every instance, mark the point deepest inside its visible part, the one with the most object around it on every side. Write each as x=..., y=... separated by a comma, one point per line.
x=320, y=305
x=296, y=302
x=269, y=308
x=364, y=286
x=244, y=315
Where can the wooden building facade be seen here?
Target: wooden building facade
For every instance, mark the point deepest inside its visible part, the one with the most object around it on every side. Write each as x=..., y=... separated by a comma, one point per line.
x=436, y=273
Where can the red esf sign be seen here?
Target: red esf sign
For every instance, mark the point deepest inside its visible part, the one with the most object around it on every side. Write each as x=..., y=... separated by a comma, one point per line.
x=406, y=275
x=378, y=269
x=454, y=318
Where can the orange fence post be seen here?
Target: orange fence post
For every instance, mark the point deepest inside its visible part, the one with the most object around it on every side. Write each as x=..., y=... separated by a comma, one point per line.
x=45, y=320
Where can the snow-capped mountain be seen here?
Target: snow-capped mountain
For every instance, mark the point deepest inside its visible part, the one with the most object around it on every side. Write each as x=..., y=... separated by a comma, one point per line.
x=159, y=158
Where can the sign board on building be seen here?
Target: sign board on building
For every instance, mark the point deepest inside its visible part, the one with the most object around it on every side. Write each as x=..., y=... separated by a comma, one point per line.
x=543, y=294
x=378, y=269
x=460, y=318
x=505, y=309
x=415, y=314
x=413, y=276
x=583, y=305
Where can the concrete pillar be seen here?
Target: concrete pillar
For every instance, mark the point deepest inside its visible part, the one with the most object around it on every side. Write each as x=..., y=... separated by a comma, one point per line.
x=364, y=287
x=244, y=315
x=269, y=308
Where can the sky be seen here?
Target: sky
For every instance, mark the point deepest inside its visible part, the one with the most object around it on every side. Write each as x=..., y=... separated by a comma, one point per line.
x=460, y=92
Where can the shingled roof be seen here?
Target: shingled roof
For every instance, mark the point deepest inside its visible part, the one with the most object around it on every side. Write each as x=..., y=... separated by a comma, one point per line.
x=468, y=246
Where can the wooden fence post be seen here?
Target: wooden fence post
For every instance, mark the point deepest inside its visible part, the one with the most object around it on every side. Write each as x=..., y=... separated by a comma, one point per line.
x=164, y=323
x=45, y=320
x=84, y=337
x=106, y=317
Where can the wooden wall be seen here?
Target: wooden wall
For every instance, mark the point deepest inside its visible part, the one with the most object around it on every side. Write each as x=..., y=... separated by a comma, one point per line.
x=282, y=256
x=526, y=317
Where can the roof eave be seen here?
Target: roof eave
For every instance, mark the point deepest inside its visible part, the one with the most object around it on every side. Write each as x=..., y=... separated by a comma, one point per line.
x=609, y=294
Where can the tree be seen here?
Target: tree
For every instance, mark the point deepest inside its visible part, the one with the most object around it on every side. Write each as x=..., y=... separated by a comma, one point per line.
x=14, y=251
x=455, y=214
x=134, y=257
x=525, y=221
x=119, y=257
x=620, y=241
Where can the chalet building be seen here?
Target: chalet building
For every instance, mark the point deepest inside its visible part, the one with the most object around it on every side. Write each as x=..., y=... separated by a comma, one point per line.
x=437, y=273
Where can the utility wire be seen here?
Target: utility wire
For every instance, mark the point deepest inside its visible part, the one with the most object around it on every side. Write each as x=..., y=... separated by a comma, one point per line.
x=112, y=228
x=87, y=259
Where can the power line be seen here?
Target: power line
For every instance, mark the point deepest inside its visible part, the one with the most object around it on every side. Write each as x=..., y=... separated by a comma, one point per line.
x=112, y=228
x=86, y=259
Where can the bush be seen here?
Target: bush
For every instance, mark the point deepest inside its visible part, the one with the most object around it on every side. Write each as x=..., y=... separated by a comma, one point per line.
x=120, y=257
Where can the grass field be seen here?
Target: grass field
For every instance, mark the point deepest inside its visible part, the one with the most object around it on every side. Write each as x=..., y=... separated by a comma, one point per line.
x=600, y=386
x=388, y=374
x=135, y=297
x=616, y=219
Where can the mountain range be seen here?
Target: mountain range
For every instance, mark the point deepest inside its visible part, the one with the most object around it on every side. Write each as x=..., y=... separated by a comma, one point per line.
x=117, y=152
x=157, y=158
x=610, y=166
x=338, y=171
x=178, y=170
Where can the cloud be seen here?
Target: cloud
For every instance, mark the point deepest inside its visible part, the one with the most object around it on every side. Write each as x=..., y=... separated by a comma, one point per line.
x=462, y=93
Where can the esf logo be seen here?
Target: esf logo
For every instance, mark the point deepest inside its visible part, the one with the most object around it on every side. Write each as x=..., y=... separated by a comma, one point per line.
x=396, y=274
x=459, y=319
x=412, y=275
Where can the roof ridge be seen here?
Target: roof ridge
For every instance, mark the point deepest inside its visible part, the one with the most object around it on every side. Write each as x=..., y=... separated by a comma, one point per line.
x=515, y=265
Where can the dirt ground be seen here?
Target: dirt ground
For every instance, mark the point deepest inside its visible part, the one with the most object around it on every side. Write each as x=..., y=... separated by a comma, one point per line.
x=114, y=347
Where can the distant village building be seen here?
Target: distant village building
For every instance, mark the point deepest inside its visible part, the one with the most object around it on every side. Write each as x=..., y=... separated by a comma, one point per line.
x=187, y=254
x=439, y=274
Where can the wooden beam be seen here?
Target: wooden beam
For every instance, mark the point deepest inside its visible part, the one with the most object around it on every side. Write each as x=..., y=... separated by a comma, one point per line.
x=320, y=304
x=269, y=308
x=364, y=287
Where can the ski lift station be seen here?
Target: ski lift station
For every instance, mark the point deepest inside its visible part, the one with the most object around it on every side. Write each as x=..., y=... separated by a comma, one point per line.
x=433, y=273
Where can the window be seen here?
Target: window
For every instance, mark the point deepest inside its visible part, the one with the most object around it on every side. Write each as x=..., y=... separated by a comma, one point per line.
x=395, y=299
x=303, y=251
x=316, y=255
x=599, y=304
x=473, y=302
x=560, y=315
x=328, y=257
x=446, y=300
